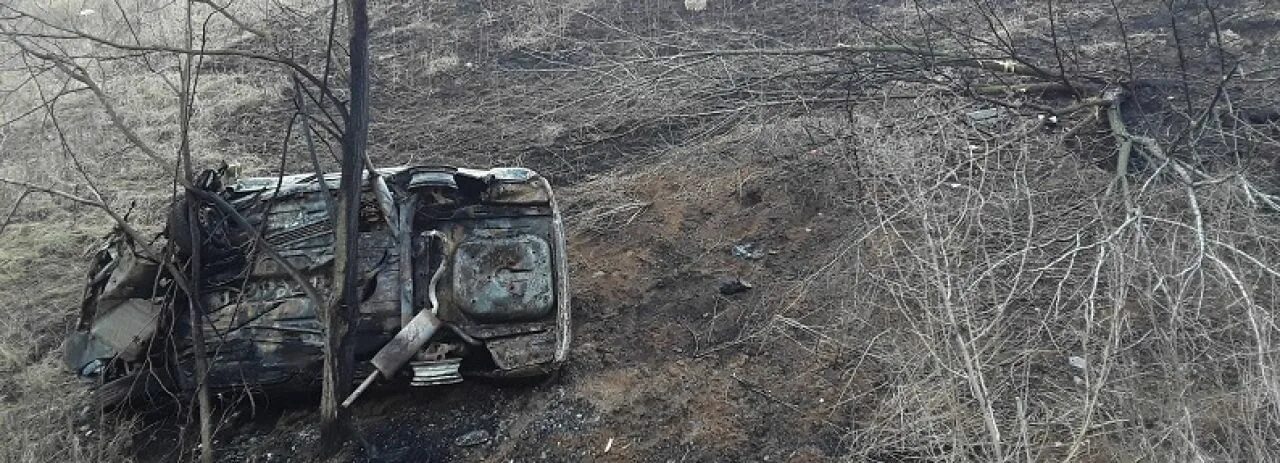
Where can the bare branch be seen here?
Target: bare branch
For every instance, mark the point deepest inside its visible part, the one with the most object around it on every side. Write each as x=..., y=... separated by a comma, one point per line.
x=71, y=34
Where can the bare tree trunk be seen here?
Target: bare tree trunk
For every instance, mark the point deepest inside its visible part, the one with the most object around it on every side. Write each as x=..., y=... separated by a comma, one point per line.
x=196, y=309
x=338, y=359
x=196, y=313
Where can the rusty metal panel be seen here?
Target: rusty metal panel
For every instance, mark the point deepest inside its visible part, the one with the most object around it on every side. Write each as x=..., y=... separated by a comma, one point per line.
x=506, y=278
x=127, y=326
x=132, y=277
x=506, y=329
x=514, y=193
x=520, y=352
x=404, y=253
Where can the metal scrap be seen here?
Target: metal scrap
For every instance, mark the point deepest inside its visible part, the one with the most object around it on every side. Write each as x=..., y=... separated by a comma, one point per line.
x=480, y=251
x=749, y=251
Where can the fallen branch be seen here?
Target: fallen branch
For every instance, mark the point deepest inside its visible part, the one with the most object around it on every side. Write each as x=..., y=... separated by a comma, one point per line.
x=1002, y=65
x=1124, y=141
x=59, y=193
x=9, y=217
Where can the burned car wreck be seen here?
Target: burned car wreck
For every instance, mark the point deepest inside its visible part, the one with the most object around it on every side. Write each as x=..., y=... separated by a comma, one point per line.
x=481, y=250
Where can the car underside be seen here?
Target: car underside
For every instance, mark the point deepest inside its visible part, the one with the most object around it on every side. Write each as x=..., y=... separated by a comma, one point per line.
x=482, y=250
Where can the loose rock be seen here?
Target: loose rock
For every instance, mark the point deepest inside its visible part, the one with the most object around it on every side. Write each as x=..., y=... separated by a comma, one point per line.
x=472, y=438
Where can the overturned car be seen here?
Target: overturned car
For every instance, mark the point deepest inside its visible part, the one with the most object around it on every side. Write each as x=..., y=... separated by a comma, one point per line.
x=482, y=250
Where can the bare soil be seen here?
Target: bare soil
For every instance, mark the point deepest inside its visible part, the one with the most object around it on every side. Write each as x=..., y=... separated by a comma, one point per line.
x=664, y=366
x=837, y=346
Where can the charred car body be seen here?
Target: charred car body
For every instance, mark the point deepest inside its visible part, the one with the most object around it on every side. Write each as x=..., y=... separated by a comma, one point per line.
x=483, y=250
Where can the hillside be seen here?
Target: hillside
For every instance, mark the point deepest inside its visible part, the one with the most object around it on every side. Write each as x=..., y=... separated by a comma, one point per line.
x=942, y=260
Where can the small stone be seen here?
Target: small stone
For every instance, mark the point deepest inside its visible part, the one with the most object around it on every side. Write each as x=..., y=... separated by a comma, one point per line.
x=1078, y=362
x=472, y=438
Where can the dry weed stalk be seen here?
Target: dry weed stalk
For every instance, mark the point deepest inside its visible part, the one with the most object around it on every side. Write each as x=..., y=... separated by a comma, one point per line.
x=1025, y=295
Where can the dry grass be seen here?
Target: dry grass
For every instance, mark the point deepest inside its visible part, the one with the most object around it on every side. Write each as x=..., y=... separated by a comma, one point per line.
x=959, y=293
x=45, y=412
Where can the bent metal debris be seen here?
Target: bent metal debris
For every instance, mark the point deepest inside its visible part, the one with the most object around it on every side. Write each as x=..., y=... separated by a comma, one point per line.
x=480, y=251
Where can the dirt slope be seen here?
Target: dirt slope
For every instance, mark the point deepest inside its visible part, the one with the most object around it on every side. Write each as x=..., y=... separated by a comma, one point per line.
x=661, y=365
x=859, y=273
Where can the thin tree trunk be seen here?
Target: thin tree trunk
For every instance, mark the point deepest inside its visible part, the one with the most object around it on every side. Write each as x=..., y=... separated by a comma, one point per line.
x=196, y=314
x=196, y=309
x=339, y=353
